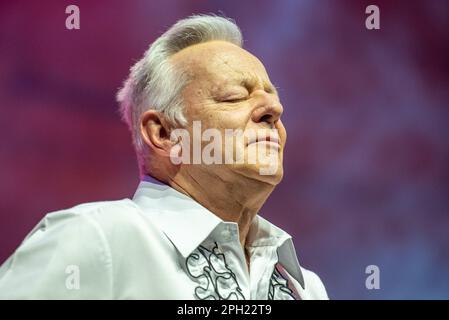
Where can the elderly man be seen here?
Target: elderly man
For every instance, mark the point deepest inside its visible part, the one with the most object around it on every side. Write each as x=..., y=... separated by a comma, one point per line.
x=191, y=230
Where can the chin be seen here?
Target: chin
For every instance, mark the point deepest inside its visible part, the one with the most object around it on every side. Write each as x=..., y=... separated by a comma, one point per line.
x=273, y=179
x=253, y=172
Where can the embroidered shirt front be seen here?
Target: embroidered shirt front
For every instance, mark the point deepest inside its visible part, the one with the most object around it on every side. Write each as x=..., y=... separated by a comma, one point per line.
x=159, y=245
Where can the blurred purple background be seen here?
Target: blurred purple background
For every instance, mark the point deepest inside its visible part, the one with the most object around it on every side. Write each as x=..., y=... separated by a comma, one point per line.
x=367, y=115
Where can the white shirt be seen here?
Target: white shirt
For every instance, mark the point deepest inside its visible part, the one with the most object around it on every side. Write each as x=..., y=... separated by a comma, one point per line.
x=159, y=245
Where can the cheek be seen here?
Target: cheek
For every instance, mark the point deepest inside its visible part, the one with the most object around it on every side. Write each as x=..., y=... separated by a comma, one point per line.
x=226, y=119
x=282, y=133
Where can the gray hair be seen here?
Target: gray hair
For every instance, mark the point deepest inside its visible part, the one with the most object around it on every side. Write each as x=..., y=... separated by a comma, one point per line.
x=155, y=83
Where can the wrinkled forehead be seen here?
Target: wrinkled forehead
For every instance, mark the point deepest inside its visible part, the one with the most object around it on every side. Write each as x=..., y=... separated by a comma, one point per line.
x=218, y=63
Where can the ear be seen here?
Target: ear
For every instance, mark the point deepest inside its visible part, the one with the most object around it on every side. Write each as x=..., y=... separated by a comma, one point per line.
x=155, y=132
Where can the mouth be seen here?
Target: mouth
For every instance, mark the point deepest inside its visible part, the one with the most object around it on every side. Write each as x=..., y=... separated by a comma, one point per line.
x=269, y=140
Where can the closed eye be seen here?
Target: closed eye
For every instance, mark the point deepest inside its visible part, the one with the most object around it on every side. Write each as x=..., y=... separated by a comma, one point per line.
x=234, y=100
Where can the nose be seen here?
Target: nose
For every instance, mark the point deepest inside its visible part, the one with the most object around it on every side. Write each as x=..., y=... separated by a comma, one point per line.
x=268, y=110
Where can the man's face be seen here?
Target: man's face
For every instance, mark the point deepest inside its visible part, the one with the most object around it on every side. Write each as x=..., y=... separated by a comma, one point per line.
x=229, y=90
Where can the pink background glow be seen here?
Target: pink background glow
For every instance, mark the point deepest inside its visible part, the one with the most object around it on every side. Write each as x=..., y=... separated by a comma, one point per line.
x=367, y=114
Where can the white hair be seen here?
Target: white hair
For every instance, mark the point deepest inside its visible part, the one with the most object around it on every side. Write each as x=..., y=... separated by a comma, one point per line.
x=155, y=83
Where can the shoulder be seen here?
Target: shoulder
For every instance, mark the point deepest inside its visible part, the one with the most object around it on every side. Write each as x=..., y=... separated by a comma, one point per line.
x=113, y=223
x=97, y=238
x=64, y=241
x=101, y=216
x=92, y=211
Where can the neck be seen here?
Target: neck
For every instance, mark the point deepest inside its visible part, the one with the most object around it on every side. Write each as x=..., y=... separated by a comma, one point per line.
x=230, y=196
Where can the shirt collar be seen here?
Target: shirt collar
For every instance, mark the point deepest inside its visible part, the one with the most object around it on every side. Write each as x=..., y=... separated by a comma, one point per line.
x=264, y=233
x=187, y=223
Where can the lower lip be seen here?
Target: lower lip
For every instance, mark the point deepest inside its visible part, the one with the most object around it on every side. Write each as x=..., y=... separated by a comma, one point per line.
x=270, y=144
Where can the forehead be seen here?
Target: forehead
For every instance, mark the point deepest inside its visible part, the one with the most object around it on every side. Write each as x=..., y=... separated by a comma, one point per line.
x=220, y=63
